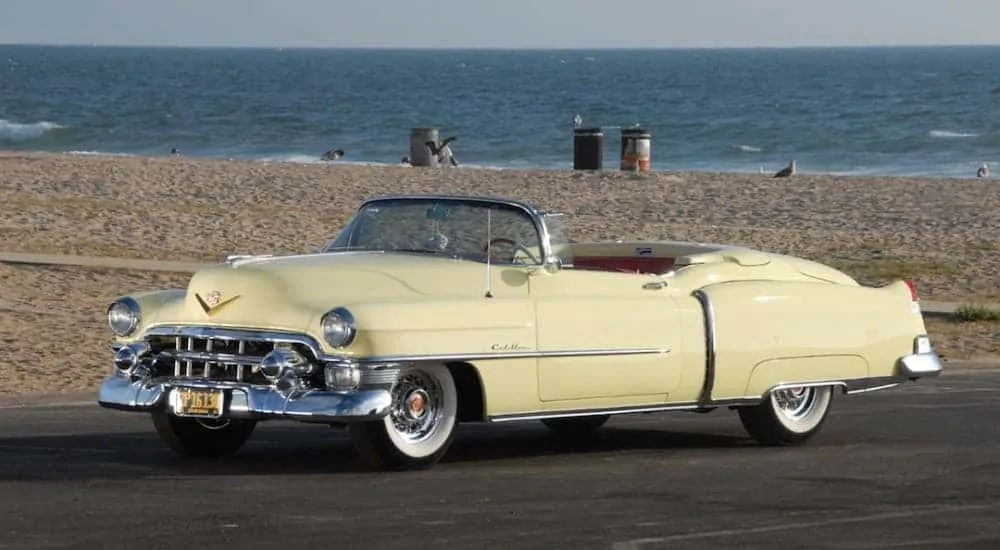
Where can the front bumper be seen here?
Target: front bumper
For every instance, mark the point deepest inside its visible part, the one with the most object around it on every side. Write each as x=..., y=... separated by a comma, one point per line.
x=246, y=401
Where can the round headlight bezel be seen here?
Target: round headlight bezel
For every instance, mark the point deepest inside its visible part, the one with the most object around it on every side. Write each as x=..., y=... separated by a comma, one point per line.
x=131, y=315
x=338, y=327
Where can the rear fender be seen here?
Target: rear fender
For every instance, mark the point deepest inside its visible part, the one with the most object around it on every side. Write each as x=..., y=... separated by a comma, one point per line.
x=770, y=332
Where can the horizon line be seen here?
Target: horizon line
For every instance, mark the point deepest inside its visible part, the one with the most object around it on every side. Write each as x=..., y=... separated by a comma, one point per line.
x=493, y=47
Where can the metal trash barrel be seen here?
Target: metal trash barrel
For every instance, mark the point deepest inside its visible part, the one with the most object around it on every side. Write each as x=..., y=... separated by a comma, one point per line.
x=588, y=149
x=636, y=149
x=420, y=153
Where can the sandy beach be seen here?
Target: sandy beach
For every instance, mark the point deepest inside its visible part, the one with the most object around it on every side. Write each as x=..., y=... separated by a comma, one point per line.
x=943, y=233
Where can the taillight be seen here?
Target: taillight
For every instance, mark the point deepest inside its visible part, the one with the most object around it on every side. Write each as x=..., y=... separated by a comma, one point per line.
x=913, y=291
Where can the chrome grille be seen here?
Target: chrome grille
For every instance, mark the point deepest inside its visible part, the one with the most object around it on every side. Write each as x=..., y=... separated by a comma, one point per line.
x=211, y=358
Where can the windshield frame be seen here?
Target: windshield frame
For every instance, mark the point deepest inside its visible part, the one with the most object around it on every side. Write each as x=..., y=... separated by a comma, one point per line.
x=536, y=216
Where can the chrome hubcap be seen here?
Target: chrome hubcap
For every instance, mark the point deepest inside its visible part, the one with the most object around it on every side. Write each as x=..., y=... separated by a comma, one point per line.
x=416, y=406
x=795, y=402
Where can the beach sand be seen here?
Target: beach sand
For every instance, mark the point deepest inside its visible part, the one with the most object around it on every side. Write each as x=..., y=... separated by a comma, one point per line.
x=943, y=233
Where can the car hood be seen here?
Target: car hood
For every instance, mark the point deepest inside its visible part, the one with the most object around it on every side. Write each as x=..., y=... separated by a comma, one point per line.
x=292, y=292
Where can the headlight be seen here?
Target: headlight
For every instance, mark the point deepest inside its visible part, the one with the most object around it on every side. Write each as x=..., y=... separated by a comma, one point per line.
x=123, y=316
x=338, y=327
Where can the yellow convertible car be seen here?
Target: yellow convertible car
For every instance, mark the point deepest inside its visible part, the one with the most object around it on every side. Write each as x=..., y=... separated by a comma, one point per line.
x=427, y=311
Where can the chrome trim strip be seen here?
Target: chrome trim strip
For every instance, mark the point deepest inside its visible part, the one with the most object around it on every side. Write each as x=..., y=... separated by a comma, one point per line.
x=709, y=382
x=853, y=391
x=592, y=412
x=513, y=355
x=313, y=345
x=808, y=384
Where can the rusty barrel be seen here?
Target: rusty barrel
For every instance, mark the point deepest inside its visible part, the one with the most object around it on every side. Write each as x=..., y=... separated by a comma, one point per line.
x=636, y=150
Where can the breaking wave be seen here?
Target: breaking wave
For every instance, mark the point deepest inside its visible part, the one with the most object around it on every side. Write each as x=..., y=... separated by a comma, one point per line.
x=14, y=131
x=945, y=134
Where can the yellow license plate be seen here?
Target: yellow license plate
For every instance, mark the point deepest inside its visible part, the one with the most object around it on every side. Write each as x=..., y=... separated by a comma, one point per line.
x=198, y=402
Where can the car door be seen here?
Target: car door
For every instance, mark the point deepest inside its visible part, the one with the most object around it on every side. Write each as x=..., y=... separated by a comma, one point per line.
x=605, y=337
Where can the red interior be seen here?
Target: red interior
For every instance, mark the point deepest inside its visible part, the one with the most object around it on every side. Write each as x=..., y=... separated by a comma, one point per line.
x=633, y=264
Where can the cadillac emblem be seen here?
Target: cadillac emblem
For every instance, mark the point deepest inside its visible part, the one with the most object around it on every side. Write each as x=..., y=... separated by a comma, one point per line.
x=213, y=301
x=213, y=298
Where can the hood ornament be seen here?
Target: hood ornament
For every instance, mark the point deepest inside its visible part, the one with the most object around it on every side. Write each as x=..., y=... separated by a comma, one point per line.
x=213, y=301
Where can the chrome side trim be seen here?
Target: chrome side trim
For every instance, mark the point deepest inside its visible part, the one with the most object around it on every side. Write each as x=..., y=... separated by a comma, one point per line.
x=313, y=345
x=808, y=384
x=591, y=412
x=513, y=355
x=709, y=383
x=850, y=387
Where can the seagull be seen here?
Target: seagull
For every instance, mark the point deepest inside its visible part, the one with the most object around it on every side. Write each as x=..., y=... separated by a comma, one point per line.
x=788, y=171
x=577, y=121
x=443, y=152
x=983, y=172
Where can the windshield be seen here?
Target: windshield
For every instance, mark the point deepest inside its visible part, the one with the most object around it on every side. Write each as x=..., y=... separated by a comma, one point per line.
x=453, y=228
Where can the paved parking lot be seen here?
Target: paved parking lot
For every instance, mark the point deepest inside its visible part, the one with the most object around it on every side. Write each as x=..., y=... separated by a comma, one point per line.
x=913, y=467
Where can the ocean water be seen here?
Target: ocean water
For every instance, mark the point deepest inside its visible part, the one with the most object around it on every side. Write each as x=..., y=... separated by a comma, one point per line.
x=931, y=111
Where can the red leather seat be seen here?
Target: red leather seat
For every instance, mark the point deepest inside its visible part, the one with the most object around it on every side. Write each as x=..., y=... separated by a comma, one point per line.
x=635, y=264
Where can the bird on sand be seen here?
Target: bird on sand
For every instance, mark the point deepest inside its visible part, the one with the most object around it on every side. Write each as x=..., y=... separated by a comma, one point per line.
x=787, y=171
x=983, y=172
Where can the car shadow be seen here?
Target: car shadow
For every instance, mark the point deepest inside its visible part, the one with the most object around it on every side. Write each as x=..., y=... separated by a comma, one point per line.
x=294, y=450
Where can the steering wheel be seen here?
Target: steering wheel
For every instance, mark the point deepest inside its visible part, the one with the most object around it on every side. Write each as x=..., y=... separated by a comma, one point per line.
x=515, y=248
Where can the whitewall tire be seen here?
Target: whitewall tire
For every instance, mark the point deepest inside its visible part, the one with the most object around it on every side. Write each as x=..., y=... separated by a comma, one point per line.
x=788, y=416
x=420, y=425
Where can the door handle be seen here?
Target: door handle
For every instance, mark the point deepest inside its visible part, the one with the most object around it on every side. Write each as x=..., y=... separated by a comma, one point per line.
x=654, y=285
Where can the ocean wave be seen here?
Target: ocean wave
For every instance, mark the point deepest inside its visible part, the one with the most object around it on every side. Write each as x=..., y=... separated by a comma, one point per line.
x=98, y=154
x=747, y=148
x=946, y=134
x=14, y=131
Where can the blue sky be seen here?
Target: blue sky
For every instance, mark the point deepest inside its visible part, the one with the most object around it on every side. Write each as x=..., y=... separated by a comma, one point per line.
x=501, y=23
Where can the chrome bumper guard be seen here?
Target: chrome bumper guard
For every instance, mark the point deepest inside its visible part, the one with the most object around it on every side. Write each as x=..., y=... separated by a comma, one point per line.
x=923, y=362
x=245, y=401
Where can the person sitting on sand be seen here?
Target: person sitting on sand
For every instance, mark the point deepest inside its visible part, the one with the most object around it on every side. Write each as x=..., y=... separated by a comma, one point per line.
x=332, y=154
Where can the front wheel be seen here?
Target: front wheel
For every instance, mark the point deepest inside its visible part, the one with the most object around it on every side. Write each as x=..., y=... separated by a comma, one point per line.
x=788, y=416
x=420, y=425
x=203, y=438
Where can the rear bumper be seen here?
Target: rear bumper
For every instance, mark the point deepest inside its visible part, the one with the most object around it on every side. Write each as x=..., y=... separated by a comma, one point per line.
x=245, y=401
x=919, y=365
x=924, y=361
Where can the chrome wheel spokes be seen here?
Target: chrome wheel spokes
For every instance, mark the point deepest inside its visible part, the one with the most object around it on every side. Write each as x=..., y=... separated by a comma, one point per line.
x=416, y=405
x=795, y=403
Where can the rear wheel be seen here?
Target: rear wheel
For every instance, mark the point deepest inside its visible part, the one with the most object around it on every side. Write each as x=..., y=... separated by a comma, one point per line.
x=420, y=425
x=576, y=426
x=788, y=416
x=195, y=437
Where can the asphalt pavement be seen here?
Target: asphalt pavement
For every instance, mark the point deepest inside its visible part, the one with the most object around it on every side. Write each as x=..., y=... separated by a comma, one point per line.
x=912, y=467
